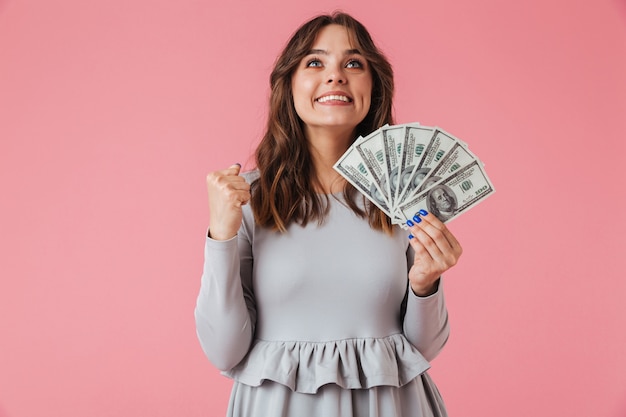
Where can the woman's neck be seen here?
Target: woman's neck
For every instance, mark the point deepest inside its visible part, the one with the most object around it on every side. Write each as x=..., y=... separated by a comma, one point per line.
x=326, y=148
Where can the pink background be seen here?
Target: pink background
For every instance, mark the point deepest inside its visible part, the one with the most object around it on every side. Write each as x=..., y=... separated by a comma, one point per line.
x=112, y=112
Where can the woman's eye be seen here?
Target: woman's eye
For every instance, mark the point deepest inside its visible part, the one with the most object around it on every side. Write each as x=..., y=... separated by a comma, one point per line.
x=354, y=63
x=314, y=63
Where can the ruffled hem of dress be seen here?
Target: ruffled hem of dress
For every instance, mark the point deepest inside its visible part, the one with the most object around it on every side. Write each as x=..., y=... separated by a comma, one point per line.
x=350, y=363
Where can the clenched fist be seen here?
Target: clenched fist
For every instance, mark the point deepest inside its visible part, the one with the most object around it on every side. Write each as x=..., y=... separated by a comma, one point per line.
x=228, y=191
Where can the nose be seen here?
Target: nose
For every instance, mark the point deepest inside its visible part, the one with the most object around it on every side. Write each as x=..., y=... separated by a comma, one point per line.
x=335, y=75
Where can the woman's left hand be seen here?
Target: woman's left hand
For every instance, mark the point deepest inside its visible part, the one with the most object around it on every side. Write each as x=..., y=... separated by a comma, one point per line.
x=436, y=251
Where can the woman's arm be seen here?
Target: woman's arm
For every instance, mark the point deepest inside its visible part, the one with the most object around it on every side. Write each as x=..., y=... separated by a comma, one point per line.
x=432, y=251
x=426, y=322
x=225, y=310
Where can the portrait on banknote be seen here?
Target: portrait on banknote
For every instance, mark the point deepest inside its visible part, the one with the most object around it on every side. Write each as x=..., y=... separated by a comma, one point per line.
x=442, y=202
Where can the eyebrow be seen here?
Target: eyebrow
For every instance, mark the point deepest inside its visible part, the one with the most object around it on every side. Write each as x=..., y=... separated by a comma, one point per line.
x=325, y=52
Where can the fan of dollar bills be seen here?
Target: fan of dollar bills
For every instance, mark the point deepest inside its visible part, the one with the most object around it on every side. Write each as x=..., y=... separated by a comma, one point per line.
x=407, y=168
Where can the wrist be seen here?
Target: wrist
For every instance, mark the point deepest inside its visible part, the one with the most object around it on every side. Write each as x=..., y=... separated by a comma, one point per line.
x=425, y=291
x=217, y=235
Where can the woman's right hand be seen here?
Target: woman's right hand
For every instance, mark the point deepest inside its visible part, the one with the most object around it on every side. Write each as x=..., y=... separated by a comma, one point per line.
x=228, y=191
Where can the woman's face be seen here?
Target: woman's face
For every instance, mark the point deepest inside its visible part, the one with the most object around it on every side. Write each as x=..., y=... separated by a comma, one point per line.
x=332, y=85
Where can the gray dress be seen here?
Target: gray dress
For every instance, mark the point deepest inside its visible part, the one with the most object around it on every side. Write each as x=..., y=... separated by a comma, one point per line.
x=319, y=321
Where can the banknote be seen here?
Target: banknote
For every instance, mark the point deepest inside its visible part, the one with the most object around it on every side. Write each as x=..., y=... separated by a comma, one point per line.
x=417, y=139
x=393, y=142
x=352, y=167
x=372, y=151
x=457, y=157
x=452, y=196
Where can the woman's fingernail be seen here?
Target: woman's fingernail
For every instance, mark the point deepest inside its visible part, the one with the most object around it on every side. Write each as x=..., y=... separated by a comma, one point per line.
x=417, y=219
x=423, y=212
x=409, y=223
x=411, y=237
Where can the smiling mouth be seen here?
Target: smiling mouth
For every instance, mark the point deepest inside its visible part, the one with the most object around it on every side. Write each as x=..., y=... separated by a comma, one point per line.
x=333, y=97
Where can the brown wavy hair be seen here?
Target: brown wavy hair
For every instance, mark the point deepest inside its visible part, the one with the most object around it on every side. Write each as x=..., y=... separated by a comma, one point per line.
x=285, y=191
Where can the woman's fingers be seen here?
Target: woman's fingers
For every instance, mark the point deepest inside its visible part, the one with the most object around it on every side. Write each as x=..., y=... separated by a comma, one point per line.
x=440, y=234
x=436, y=251
x=434, y=236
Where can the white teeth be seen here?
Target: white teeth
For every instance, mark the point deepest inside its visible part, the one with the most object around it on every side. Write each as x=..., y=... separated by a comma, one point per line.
x=333, y=97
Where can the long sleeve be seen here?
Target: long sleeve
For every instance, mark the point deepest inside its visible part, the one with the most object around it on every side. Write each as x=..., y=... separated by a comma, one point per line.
x=225, y=311
x=425, y=322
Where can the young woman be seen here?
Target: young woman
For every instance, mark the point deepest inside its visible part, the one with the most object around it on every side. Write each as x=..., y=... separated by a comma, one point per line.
x=310, y=300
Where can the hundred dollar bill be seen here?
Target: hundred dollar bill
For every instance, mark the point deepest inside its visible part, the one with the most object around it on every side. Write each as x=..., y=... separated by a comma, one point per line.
x=457, y=157
x=452, y=196
x=352, y=167
x=393, y=142
x=417, y=139
x=372, y=150
x=439, y=144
